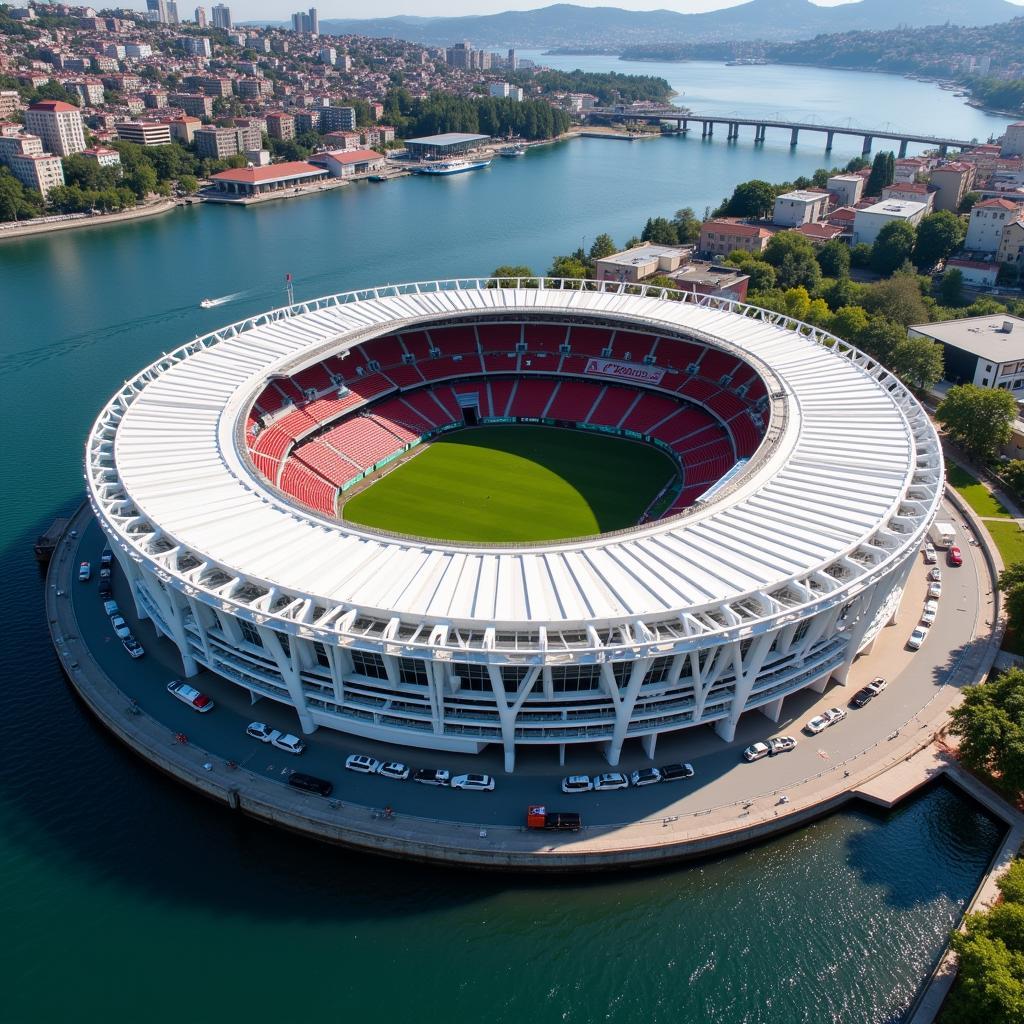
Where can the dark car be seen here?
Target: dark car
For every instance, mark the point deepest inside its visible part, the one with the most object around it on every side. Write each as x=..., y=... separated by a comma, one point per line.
x=106, y=590
x=107, y=558
x=431, y=776
x=676, y=772
x=310, y=783
x=562, y=821
x=863, y=696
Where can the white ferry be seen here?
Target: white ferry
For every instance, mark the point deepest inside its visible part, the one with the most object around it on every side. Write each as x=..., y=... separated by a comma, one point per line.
x=453, y=166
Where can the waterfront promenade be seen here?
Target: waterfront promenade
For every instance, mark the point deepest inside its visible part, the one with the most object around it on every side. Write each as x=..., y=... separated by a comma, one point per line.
x=728, y=804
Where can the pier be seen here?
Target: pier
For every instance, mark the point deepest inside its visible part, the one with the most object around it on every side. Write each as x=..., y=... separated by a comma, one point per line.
x=732, y=124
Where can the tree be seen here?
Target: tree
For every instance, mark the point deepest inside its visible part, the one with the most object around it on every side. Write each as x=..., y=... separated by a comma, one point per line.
x=687, y=225
x=880, y=338
x=603, y=246
x=188, y=184
x=968, y=201
x=843, y=293
x=893, y=246
x=1013, y=473
x=16, y=201
x=834, y=259
x=750, y=199
x=508, y=273
x=939, y=235
x=659, y=230
x=951, y=287
x=762, y=275
x=794, y=260
x=989, y=987
x=883, y=170
x=849, y=323
x=568, y=266
x=898, y=298
x=979, y=419
x=860, y=255
x=917, y=362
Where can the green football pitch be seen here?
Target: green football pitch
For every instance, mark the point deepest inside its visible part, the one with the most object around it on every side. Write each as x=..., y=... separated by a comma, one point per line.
x=515, y=483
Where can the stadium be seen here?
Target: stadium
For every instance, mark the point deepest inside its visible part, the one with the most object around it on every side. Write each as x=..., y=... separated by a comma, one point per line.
x=458, y=514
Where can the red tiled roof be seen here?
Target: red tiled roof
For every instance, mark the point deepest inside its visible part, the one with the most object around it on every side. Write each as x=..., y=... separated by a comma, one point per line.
x=252, y=175
x=57, y=106
x=352, y=156
x=825, y=232
x=971, y=264
x=1002, y=204
x=736, y=227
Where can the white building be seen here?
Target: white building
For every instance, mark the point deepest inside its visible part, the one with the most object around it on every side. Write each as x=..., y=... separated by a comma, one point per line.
x=12, y=145
x=976, y=273
x=328, y=55
x=1013, y=140
x=983, y=350
x=727, y=607
x=988, y=220
x=58, y=124
x=103, y=156
x=911, y=192
x=848, y=188
x=792, y=209
x=197, y=46
x=221, y=15
x=869, y=221
x=41, y=171
x=137, y=51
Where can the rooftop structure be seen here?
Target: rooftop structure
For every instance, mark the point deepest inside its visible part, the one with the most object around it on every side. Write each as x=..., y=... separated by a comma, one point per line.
x=435, y=147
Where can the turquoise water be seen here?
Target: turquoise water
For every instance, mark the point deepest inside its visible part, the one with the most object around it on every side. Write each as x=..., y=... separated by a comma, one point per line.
x=124, y=896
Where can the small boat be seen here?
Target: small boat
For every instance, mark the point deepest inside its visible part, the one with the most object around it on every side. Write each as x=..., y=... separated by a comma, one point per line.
x=207, y=304
x=378, y=177
x=453, y=166
x=512, y=151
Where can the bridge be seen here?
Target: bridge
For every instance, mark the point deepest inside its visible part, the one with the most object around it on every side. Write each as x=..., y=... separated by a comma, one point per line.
x=733, y=123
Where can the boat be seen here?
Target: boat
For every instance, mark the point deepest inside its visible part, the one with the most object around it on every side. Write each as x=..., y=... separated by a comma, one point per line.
x=453, y=166
x=378, y=177
x=512, y=151
x=207, y=304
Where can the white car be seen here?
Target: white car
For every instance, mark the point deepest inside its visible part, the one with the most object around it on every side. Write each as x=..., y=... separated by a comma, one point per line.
x=190, y=695
x=917, y=638
x=930, y=558
x=819, y=723
x=362, y=763
x=110, y=607
x=935, y=576
x=935, y=590
x=394, y=770
x=120, y=626
x=480, y=782
x=132, y=646
x=610, y=780
x=577, y=784
x=289, y=743
x=84, y=572
x=756, y=751
x=835, y=715
x=260, y=731
x=931, y=609
x=645, y=777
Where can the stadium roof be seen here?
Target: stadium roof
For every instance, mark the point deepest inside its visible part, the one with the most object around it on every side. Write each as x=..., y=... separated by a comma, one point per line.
x=852, y=479
x=448, y=139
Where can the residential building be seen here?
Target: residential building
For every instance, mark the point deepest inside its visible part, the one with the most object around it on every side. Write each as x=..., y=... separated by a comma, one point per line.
x=306, y=23
x=976, y=273
x=9, y=100
x=280, y=125
x=847, y=188
x=499, y=90
x=908, y=168
x=250, y=133
x=41, y=171
x=250, y=182
x=911, y=192
x=1011, y=245
x=306, y=121
x=1013, y=140
x=953, y=181
x=218, y=88
x=183, y=129
x=328, y=55
x=705, y=278
x=254, y=88
x=633, y=265
x=58, y=124
x=103, y=156
x=144, y=133
x=19, y=145
x=221, y=16
x=983, y=350
x=343, y=140
x=137, y=51
x=720, y=237
x=802, y=206
x=201, y=17
x=197, y=46
x=868, y=222
x=88, y=90
x=337, y=119
x=164, y=12
x=820, y=233
x=988, y=219
x=216, y=143
x=155, y=99
x=378, y=136
x=345, y=163
x=343, y=62
x=194, y=104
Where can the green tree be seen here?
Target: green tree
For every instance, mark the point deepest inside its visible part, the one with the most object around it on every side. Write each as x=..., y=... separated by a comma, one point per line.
x=860, y=255
x=899, y=298
x=1013, y=473
x=507, y=274
x=660, y=231
x=16, y=201
x=188, y=183
x=687, y=225
x=849, y=323
x=762, y=275
x=893, y=247
x=794, y=260
x=917, y=362
x=842, y=293
x=951, y=287
x=968, y=201
x=979, y=419
x=602, y=247
x=568, y=266
x=754, y=198
x=989, y=986
x=939, y=235
x=883, y=170
x=834, y=259
x=880, y=338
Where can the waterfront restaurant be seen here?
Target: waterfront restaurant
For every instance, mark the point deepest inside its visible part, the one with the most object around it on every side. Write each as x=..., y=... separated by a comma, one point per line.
x=444, y=147
x=241, y=183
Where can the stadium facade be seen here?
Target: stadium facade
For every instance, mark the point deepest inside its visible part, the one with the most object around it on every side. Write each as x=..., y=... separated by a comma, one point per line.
x=756, y=585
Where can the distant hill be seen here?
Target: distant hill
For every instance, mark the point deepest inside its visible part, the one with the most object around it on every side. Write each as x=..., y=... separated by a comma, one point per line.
x=568, y=25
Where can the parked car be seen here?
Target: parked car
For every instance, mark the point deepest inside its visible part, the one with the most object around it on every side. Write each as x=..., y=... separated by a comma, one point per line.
x=935, y=576
x=107, y=572
x=260, y=731
x=362, y=763
x=610, y=780
x=781, y=744
x=930, y=557
x=288, y=743
x=132, y=646
x=954, y=556
x=310, y=783
x=877, y=685
x=835, y=715
x=110, y=607
x=935, y=590
x=577, y=784
x=107, y=558
x=917, y=638
x=120, y=626
x=756, y=751
x=106, y=590
x=394, y=770
x=190, y=695
x=676, y=772
x=645, y=777
x=819, y=723
x=431, y=776
x=477, y=782
x=931, y=609
x=863, y=696
x=84, y=572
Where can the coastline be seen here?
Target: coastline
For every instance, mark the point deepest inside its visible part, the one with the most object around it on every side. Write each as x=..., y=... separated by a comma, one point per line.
x=29, y=228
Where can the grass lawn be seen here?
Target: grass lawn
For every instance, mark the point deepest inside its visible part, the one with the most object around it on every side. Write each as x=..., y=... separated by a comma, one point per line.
x=1009, y=539
x=515, y=483
x=974, y=493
